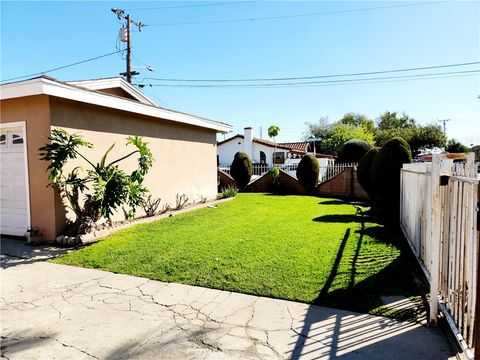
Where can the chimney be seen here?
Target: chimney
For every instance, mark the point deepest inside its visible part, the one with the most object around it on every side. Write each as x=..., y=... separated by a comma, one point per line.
x=248, y=142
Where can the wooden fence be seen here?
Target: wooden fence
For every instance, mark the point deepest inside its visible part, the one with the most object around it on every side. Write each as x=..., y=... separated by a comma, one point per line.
x=438, y=216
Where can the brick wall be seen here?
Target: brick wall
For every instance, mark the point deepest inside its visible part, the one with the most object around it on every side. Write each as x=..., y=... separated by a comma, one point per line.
x=288, y=185
x=262, y=184
x=343, y=185
x=225, y=180
x=358, y=191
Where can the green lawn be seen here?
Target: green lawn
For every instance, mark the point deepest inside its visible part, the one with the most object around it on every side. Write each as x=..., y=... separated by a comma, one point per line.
x=309, y=249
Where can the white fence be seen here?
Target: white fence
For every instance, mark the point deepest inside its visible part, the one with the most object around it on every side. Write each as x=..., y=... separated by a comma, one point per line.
x=438, y=216
x=325, y=172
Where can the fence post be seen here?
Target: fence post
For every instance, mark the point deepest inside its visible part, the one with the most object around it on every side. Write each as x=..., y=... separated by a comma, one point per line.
x=476, y=322
x=435, y=241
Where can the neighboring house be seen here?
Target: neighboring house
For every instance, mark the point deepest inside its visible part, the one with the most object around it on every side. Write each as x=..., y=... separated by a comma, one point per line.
x=259, y=150
x=103, y=111
x=262, y=151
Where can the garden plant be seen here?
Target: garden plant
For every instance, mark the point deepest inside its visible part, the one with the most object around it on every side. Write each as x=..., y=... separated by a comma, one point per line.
x=99, y=191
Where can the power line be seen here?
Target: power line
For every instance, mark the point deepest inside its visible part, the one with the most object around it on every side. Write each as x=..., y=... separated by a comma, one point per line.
x=62, y=67
x=317, y=76
x=329, y=82
x=188, y=6
x=266, y=18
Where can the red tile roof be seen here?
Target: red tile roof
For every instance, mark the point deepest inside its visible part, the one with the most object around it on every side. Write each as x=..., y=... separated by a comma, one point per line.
x=300, y=146
x=259, y=141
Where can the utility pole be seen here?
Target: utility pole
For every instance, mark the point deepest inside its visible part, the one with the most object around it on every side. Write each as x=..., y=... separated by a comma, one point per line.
x=444, y=125
x=121, y=15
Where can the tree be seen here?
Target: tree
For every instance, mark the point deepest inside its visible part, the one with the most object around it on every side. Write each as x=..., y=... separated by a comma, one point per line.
x=418, y=137
x=358, y=120
x=426, y=137
x=273, y=133
x=353, y=151
x=390, y=120
x=104, y=187
x=364, y=172
x=241, y=169
x=386, y=175
x=307, y=172
x=454, y=146
x=334, y=136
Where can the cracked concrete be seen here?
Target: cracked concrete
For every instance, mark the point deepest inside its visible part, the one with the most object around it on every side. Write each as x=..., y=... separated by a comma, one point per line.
x=51, y=311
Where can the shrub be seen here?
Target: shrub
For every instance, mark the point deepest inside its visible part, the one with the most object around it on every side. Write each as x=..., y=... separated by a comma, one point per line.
x=228, y=192
x=241, y=169
x=150, y=205
x=275, y=175
x=353, y=151
x=181, y=201
x=386, y=175
x=103, y=187
x=364, y=171
x=307, y=172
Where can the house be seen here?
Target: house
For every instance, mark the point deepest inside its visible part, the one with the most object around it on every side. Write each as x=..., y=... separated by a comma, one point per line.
x=103, y=111
x=259, y=150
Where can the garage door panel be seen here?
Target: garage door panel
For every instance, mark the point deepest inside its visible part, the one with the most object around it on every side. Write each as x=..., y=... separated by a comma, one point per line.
x=4, y=193
x=14, y=212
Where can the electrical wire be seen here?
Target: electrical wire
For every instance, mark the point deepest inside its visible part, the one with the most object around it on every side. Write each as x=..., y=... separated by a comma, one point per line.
x=317, y=76
x=280, y=17
x=61, y=67
x=188, y=6
x=328, y=82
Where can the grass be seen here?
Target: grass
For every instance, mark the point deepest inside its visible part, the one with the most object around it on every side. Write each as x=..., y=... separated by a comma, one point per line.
x=302, y=248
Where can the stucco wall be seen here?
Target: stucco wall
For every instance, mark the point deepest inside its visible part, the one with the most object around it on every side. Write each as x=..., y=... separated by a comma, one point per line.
x=185, y=156
x=34, y=110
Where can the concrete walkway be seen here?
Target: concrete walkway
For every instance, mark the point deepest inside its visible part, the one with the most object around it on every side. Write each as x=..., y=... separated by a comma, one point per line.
x=51, y=311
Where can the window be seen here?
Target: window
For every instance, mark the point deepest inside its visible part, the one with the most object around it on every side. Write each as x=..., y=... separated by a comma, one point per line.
x=279, y=157
x=17, y=138
x=11, y=138
x=263, y=158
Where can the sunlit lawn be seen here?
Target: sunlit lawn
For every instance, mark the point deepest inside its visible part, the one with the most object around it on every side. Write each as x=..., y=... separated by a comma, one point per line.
x=301, y=248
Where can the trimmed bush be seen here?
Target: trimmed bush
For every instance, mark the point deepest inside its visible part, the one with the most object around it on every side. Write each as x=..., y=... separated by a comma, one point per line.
x=241, y=169
x=364, y=171
x=353, y=151
x=386, y=175
x=307, y=172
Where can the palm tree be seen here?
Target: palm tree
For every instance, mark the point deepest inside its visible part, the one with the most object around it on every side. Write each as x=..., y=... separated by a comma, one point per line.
x=273, y=132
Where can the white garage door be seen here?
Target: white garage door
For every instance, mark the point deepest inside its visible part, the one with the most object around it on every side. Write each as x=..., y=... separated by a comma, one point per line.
x=14, y=209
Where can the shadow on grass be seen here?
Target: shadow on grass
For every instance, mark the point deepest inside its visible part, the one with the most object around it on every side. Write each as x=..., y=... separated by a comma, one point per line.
x=365, y=296
x=332, y=202
x=336, y=264
x=338, y=218
x=396, y=277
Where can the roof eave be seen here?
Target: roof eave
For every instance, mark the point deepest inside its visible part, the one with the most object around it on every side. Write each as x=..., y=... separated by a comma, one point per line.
x=51, y=87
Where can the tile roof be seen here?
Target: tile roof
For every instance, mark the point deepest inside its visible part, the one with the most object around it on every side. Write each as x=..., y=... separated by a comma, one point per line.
x=301, y=146
x=264, y=142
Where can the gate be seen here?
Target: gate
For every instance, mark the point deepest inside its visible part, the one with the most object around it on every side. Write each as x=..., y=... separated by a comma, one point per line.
x=439, y=218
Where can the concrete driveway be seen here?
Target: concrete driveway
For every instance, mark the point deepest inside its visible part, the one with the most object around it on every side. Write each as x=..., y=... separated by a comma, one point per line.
x=51, y=311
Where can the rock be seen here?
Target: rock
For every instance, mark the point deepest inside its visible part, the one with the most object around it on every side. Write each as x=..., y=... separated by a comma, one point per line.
x=59, y=239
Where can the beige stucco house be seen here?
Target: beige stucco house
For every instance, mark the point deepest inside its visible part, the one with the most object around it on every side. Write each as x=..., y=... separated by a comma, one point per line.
x=104, y=111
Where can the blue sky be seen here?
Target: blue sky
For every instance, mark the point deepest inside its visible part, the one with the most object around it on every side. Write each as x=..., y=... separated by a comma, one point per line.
x=36, y=36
